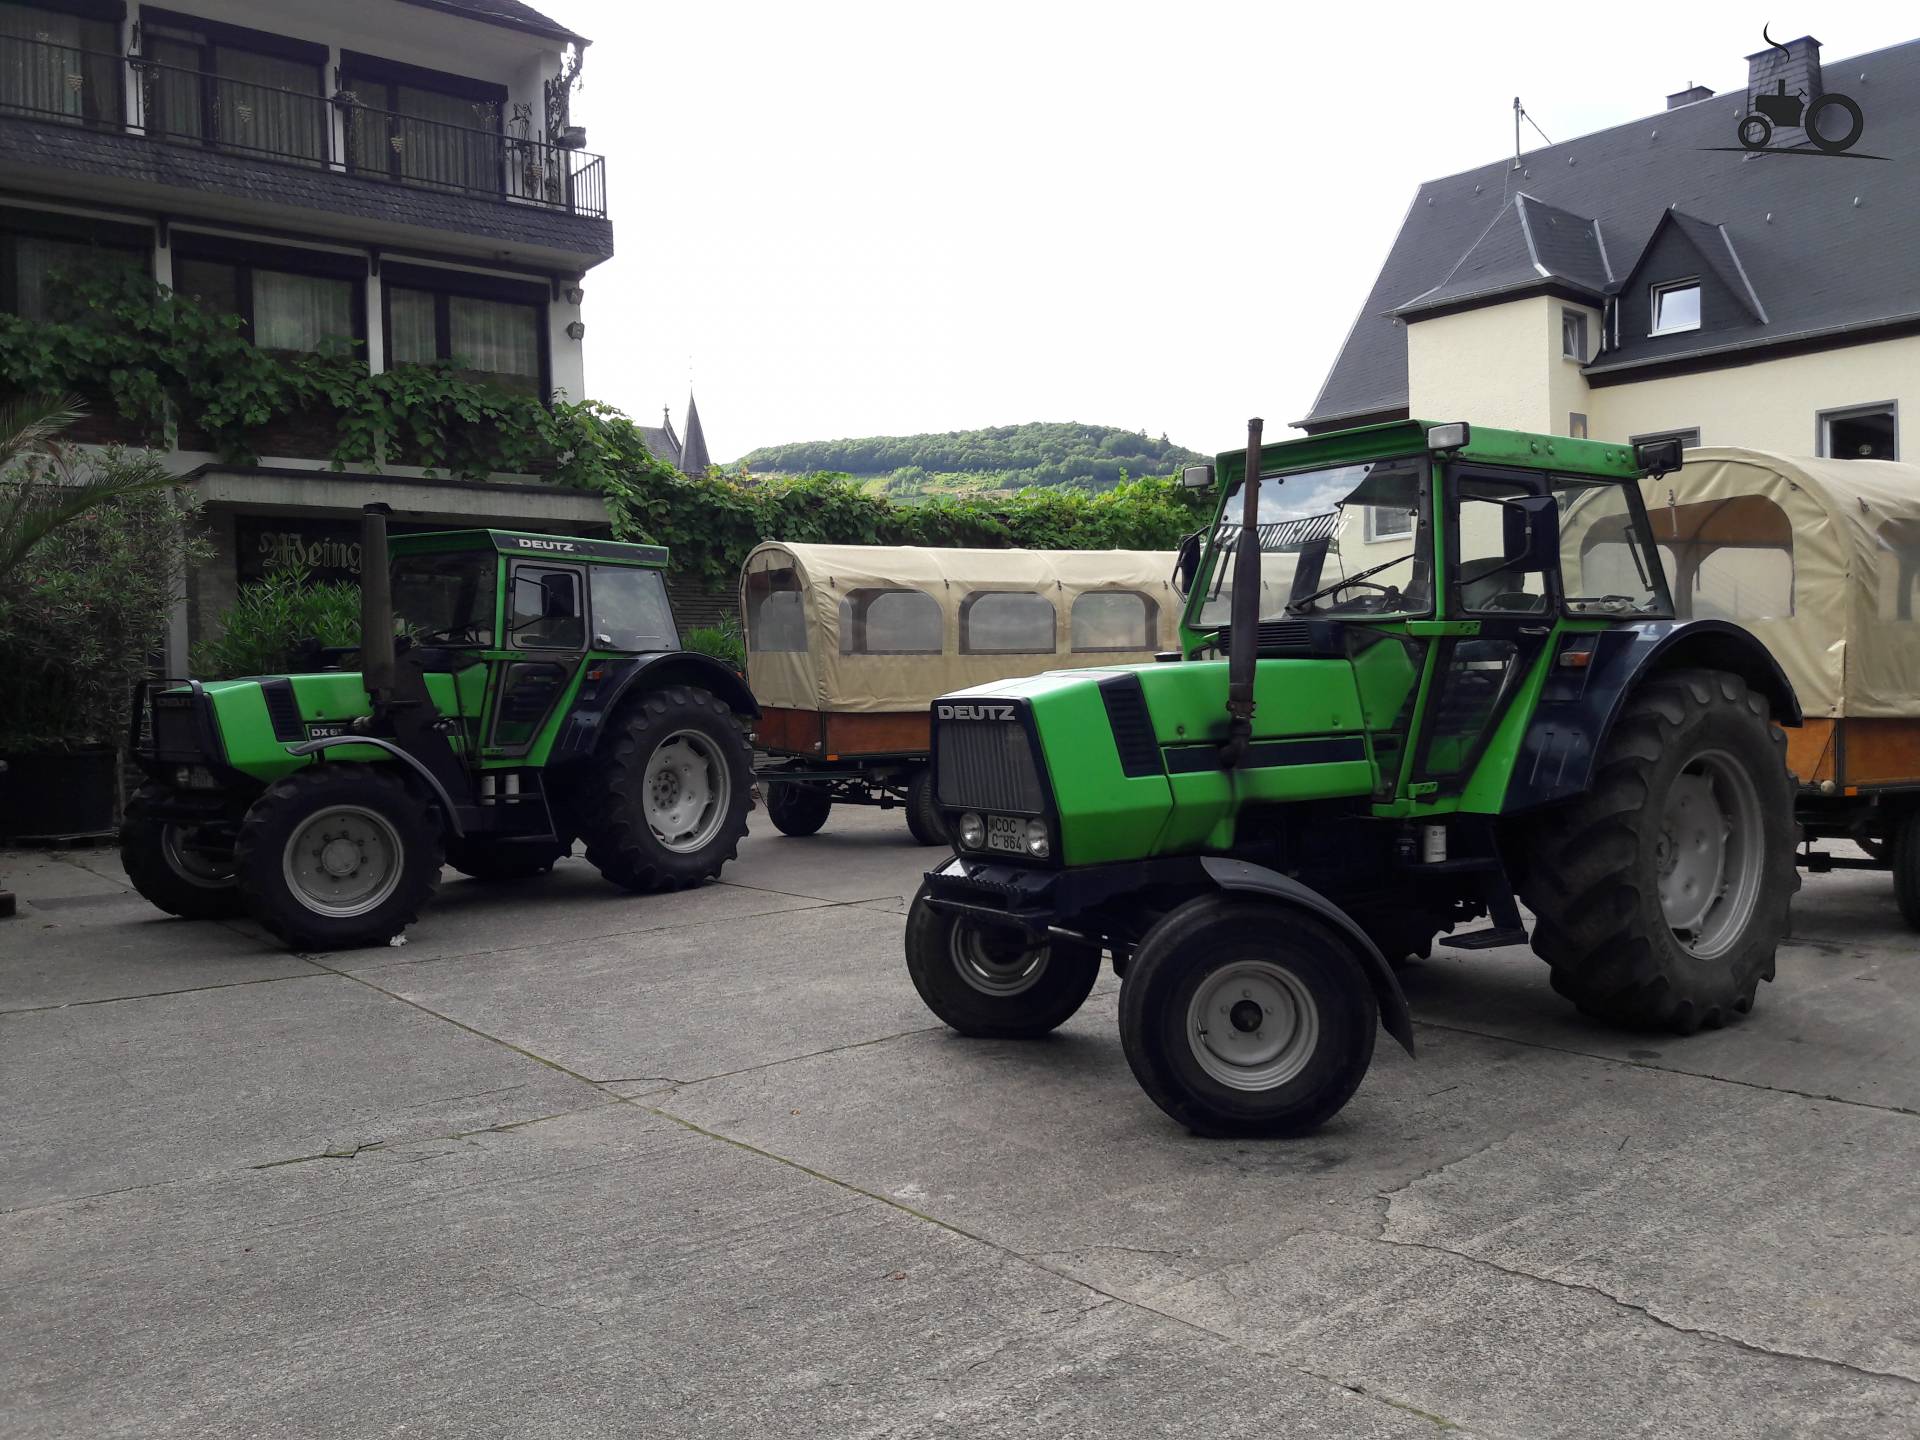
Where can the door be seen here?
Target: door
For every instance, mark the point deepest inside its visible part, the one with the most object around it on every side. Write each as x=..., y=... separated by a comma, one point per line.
x=1502, y=579
x=547, y=630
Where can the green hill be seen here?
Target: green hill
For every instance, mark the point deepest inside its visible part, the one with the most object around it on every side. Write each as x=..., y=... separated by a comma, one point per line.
x=1001, y=458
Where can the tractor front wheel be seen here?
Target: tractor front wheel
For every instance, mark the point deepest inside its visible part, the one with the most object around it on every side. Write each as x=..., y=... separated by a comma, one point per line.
x=1661, y=893
x=1241, y=1018
x=172, y=864
x=673, y=789
x=993, y=981
x=337, y=855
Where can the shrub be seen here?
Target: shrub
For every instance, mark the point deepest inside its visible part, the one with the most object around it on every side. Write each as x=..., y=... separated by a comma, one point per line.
x=274, y=615
x=723, y=641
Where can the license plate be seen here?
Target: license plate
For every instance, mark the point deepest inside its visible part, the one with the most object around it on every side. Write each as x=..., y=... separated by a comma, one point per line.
x=1006, y=833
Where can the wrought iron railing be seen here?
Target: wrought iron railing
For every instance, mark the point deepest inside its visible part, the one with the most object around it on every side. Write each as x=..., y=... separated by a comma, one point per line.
x=46, y=80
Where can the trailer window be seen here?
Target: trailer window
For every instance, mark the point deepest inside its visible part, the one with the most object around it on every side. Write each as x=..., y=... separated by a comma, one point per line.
x=889, y=622
x=1113, y=620
x=631, y=610
x=1728, y=559
x=1006, y=622
x=776, y=618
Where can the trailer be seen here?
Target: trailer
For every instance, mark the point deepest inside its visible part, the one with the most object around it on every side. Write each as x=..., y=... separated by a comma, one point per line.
x=847, y=646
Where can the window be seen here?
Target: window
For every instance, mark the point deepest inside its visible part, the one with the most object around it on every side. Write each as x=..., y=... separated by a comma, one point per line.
x=1113, y=620
x=59, y=66
x=1605, y=567
x=1387, y=523
x=424, y=126
x=1573, y=335
x=1576, y=425
x=776, y=619
x=1727, y=559
x=631, y=611
x=1492, y=550
x=1676, y=307
x=1006, y=622
x=285, y=310
x=445, y=599
x=545, y=614
x=489, y=337
x=237, y=88
x=34, y=267
x=1864, y=432
x=889, y=622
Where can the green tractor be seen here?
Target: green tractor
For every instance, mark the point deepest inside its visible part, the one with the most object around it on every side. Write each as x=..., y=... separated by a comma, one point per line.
x=1426, y=672
x=534, y=693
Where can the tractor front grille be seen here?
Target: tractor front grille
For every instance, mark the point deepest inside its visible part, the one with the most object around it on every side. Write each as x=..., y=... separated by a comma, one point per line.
x=987, y=765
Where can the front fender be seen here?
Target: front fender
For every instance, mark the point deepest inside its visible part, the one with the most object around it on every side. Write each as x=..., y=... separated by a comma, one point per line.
x=1578, y=707
x=609, y=682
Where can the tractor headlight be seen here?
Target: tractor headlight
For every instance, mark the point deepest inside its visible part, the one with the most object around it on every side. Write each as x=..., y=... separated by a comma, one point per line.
x=1038, y=844
x=973, y=831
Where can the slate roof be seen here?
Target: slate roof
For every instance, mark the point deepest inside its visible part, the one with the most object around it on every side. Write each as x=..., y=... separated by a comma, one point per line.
x=1783, y=229
x=1528, y=246
x=693, y=445
x=510, y=13
x=661, y=443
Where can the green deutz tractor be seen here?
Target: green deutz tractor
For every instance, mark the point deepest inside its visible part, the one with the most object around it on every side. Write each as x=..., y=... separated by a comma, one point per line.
x=1426, y=672
x=535, y=694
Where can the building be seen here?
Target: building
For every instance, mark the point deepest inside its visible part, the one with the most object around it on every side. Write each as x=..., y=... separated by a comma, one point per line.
x=401, y=176
x=1659, y=278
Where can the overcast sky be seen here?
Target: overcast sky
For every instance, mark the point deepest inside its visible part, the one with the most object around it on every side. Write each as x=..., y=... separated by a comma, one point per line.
x=865, y=219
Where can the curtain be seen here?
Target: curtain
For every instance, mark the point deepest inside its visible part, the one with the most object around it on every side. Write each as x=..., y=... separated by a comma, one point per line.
x=58, y=65
x=411, y=331
x=212, y=285
x=300, y=312
x=497, y=337
x=42, y=264
x=446, y=139
x=262, y=102
x=173, y=97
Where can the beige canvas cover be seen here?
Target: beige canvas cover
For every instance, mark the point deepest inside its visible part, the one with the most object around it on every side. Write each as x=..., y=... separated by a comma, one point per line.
x=802, y=606
x=1819, y=558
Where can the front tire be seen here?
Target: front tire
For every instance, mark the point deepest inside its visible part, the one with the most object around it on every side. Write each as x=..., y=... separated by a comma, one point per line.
x=166, y=866
x=923, y=816
x=796, y=808
x=992, y=981
x=1242, y=1018
x=337, y=856
x=1662, y=892
x=672, y=792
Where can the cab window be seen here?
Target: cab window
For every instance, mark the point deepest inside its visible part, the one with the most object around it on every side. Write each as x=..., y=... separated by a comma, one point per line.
x=1491, y=554
x=545, y=613
x=631, y=611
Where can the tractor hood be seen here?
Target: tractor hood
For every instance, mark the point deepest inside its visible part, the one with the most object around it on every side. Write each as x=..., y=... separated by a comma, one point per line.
x=1128, y=759
x=260, y=717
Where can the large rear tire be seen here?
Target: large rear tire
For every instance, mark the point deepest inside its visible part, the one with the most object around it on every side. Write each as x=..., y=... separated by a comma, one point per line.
x=923, y=816
x=1242, y=1018
x=167, y=864
x=797, y=808
x=1662, y=892
x=337, y=856
x=671, y=794
x=992, y=981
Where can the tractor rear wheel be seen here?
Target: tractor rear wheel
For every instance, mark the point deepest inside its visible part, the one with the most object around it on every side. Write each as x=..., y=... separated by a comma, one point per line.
x=993, y=981
x=1905, y=863
x=672, y=792
x=797, y=808
x=500, y=861
x=1242, y=1018
x=170, y=864
x=923, y=816
x=338, y=855
x=1662, y=892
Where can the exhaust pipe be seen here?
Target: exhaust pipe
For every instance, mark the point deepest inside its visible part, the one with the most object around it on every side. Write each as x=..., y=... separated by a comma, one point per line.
x=1243, y=646
x=376, y=606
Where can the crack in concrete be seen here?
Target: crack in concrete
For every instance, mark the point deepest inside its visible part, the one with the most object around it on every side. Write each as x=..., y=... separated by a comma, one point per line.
x=773, y=1064
x=592, y=1320
x=359, y=1149
x=162, y=994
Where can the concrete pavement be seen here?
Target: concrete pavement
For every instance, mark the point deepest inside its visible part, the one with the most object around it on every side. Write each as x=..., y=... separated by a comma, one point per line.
x=577, y=1163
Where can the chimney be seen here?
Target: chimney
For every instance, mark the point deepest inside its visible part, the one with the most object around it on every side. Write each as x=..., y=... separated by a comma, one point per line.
x=1790, y=69
x=1688, y=96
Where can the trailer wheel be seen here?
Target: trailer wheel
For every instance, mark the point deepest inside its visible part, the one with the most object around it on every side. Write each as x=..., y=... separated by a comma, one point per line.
x=923, y=815
x=1905, y=864
x=166, y=867
x=337, y=855
x=1662, y=892
x=1242, y=1018
x=502, y=861
x=797, y=808
x=992, y=981
x=672, y=792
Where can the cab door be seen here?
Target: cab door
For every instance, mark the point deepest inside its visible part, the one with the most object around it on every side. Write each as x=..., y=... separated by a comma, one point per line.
x=546, y=635
x=1502, y=599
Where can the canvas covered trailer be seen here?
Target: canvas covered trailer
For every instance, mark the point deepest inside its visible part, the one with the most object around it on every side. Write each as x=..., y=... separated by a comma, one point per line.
x=848, y=645
x=1820, y=560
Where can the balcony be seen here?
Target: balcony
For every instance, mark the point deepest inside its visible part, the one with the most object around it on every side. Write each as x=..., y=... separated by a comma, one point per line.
x=129, y=95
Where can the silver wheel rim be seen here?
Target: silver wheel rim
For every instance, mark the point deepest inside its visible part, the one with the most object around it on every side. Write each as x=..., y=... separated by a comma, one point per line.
x=686, y=788
x=344, y=861
x=1252, y=1025
x=1709, y=854
x=191, y=865
x=995, y=962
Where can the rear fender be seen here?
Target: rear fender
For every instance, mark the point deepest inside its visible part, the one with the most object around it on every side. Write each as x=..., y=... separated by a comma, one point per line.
x=600, y=698
x=1244, y=878
x=1579, y=707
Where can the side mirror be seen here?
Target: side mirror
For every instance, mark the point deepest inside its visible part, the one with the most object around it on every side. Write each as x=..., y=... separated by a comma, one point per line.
x=1186, y=565
x=1657, y=457
x=1197, y=477
x=1533, y=533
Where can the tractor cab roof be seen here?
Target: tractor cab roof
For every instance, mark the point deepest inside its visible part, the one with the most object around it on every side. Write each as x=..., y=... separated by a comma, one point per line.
x=1592, y=458
x=521, y=542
